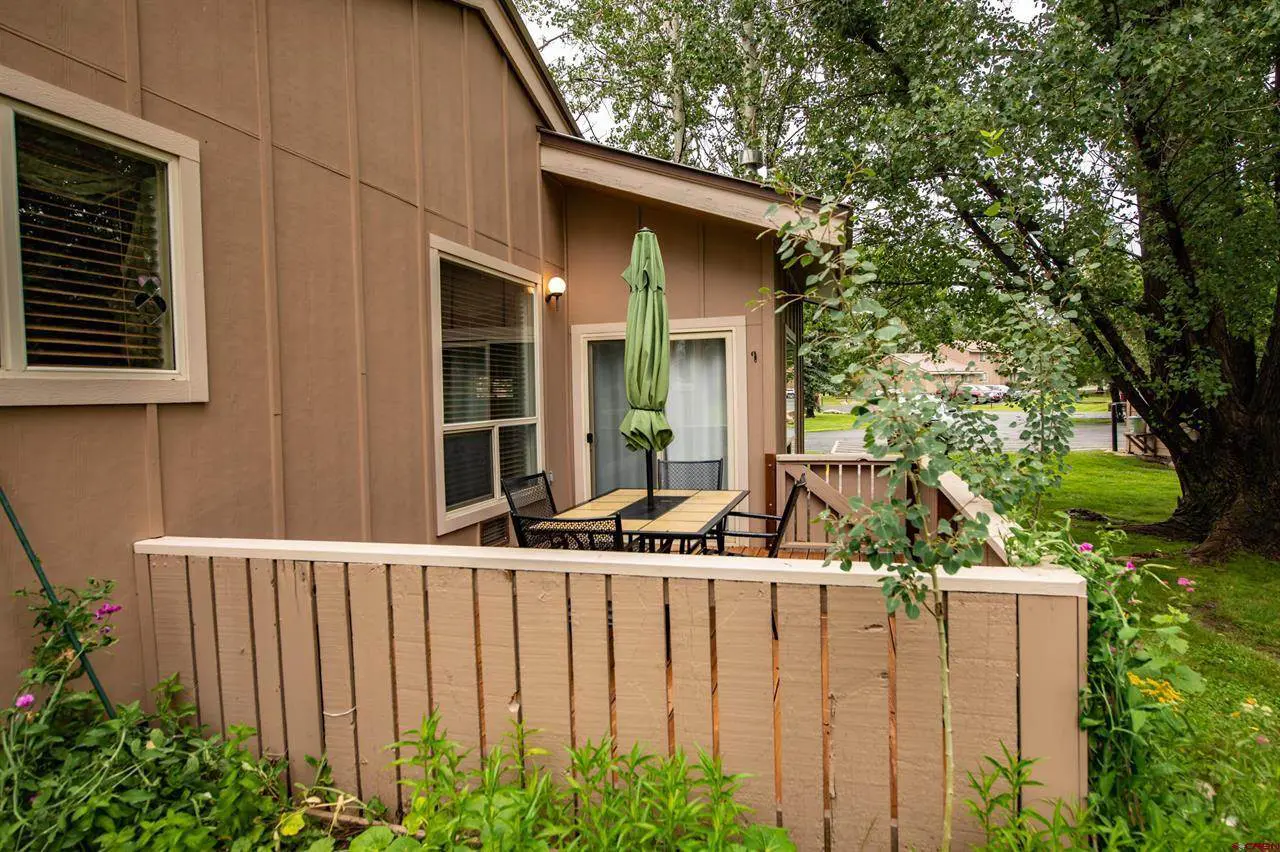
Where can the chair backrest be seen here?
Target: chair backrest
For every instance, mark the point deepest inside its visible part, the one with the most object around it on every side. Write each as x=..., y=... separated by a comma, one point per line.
x=530, y=495
x=785, y=518
x=703, y=475
x=569, y=534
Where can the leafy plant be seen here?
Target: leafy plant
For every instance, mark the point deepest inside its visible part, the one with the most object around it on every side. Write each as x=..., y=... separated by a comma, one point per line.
x=71, y=778
x=922, y=437
x=628, y=801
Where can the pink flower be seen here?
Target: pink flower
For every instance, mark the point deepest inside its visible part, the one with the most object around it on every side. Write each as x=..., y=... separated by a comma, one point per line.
x=1188, y=584
x=1261, y=739
x=25, y=701
x=105, y=610
x=1129, y=566
x=1086, y=547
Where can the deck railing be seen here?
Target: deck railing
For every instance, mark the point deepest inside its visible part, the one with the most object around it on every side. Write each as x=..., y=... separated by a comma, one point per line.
x=788, y=670
x=832, y=480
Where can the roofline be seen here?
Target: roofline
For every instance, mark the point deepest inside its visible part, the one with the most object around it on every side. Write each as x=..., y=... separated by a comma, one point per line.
x=514, y=40
x=526, y=37
x=616, y=170
x=660, y=165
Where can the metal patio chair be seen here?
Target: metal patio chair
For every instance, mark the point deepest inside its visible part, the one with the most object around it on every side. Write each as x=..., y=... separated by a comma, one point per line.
x=772, y=540
x=569, y=534
x=530, y=495
x=700, y=475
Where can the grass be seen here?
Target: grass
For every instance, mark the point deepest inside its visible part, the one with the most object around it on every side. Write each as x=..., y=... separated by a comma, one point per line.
x=1235, y=609
x=831, y=421
x=828, y=422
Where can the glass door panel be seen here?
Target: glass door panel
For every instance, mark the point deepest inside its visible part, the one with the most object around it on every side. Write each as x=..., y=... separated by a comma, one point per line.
x=697, y=408
x=612, y=464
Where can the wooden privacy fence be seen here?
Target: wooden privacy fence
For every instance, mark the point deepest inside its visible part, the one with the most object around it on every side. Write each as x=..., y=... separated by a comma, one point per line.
x=832, y=480
x=788, y=670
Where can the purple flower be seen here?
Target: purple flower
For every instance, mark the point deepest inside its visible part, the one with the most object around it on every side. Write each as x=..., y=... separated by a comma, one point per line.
x=1085, y=547
x=105, y=610
x=25, y=701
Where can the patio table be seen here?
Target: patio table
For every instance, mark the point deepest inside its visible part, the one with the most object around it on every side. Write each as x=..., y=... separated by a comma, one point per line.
x=678, y=514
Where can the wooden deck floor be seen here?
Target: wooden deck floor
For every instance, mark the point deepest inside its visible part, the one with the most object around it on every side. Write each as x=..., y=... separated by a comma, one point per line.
x=783, y=553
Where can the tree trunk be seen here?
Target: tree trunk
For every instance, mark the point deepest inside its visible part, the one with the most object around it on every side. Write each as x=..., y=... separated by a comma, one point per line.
x=1230, y=489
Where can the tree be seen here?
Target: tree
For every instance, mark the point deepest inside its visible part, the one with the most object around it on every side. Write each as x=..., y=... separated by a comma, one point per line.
x=686, y=81
x=922, y=440
x=1127, y=159
x=826, y=361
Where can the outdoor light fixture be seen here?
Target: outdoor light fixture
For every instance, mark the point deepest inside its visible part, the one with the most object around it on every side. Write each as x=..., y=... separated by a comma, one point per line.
x=555, y=289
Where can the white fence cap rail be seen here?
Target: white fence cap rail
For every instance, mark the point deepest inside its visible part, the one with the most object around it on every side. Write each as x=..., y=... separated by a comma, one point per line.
x=1038, y=580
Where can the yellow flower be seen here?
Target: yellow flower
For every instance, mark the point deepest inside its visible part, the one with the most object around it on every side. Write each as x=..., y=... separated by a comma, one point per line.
x=1161, y=690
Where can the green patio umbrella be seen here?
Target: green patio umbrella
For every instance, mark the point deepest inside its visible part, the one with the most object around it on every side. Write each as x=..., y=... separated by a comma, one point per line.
x=647, y=360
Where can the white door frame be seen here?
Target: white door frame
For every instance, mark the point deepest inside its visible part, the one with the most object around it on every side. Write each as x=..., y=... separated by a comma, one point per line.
x=734, y=332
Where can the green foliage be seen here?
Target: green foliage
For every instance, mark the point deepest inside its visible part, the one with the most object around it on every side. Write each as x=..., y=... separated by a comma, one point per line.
x=70, y=778
x=1158, y=779
x=628, y=801
x=686, y=81
x=921, y=437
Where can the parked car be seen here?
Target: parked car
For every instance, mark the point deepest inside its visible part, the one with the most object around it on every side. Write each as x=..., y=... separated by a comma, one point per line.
x=997, y=393
x=973, y=393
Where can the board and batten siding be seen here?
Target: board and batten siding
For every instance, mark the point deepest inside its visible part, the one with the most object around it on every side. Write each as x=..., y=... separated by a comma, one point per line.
x=787, y=670
x=335, y=136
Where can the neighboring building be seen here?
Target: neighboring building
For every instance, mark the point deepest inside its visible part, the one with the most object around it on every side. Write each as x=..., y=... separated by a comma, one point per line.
x=278, y=270
x=975, y=358
x=952, y=366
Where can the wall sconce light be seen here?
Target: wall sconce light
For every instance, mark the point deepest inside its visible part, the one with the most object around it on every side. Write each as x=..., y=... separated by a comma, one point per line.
x=555, y=289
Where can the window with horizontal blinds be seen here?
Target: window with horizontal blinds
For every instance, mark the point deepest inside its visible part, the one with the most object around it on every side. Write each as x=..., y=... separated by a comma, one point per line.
x=488, y=385
x=94, y=252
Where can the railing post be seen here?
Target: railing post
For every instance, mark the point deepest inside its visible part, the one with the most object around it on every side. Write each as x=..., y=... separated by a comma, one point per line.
x=771, y=483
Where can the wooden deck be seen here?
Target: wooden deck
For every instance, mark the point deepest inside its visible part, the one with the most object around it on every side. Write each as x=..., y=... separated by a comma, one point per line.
x=783, y=553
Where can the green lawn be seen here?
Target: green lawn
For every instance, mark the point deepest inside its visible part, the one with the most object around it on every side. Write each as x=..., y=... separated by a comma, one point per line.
x=827, y=422
x=1235, y=631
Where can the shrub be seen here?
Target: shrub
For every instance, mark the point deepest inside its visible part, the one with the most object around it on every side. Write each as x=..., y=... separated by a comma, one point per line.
x=628, y=801
x=1156, y=780
x=71, y=778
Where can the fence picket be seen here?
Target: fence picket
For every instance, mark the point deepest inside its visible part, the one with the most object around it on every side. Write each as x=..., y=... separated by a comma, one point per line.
x=639, y=660
x=338, y=703
x=451, y=629
x=544, y=662
x=858, y=642
x=237, y=683
x=374, y=685
x=800, y=708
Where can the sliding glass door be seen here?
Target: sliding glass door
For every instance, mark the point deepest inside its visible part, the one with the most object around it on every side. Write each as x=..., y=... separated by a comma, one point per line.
x=697, y=407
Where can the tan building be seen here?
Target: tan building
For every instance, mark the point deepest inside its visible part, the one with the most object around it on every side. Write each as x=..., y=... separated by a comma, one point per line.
x=953, y=366
x=278, y=270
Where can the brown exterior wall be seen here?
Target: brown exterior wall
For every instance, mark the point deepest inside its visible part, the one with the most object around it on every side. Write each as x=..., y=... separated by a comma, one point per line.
x=714, y=269
x=335, y=136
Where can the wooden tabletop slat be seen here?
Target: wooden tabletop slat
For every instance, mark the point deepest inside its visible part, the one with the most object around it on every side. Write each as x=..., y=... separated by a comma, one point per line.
x=696, y=514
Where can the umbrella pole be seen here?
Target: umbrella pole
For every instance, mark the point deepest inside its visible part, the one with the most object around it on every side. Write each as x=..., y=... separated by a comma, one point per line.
x=648, y=475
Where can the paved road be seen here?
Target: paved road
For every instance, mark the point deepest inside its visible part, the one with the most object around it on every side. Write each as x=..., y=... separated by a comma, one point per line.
x=1093, y=436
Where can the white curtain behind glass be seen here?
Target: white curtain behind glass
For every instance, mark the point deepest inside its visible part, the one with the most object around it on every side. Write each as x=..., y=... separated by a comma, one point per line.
x=697, y=402
x=697, y=408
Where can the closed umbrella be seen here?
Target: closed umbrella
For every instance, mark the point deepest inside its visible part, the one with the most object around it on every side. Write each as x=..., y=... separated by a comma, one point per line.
x=647, y=359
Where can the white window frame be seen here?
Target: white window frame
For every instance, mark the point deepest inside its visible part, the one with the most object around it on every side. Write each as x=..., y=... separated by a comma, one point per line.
x=448, y=521
x=733, y=330
x=188, y=381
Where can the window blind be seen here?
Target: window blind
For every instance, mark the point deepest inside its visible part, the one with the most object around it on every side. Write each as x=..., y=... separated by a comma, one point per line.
x=94, y=242
x=487, y=340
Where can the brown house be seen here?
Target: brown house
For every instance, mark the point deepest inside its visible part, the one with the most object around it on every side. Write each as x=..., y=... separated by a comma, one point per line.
x=278, y=270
